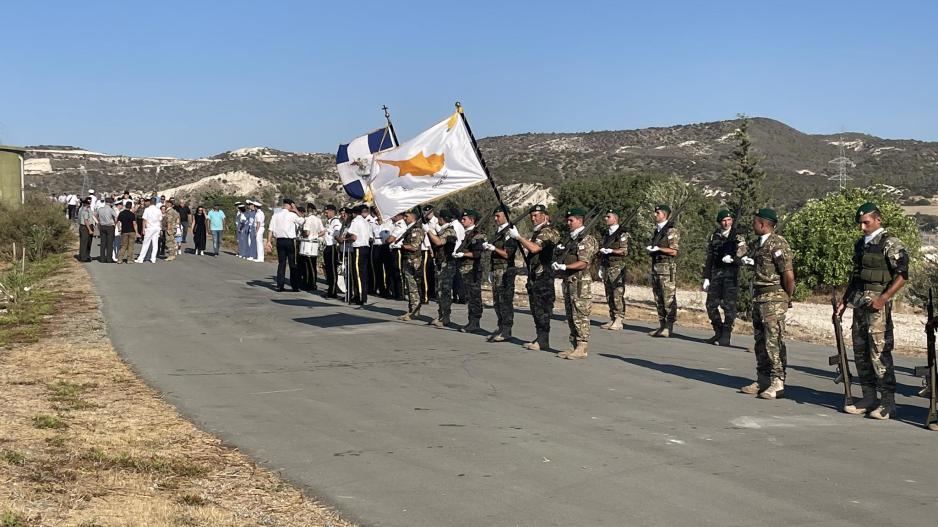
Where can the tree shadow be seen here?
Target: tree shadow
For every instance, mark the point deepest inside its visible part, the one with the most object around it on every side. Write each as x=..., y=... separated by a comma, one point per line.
x=901, y=389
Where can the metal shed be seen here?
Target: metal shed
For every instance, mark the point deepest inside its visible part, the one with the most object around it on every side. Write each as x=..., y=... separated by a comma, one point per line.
x=12, y=182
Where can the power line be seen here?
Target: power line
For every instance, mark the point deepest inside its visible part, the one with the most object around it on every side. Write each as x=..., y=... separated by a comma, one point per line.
x=841, y=163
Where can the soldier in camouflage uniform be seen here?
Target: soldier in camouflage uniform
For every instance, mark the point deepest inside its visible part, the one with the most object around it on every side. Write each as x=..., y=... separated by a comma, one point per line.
x=170, y=222
x=469, y=258
x=721, y=277
x=412, y=264
x=572, y=265
x=503, y=248
x=663, y=250
x=613, y=249
x=443, y=239
x=773, y=284
x=538, y=256
x=880, y=269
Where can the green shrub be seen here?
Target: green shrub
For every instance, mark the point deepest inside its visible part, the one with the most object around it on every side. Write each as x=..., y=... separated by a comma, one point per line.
x=39, y=225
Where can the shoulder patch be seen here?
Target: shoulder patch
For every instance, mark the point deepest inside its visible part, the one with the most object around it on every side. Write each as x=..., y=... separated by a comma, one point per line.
x=778, y=253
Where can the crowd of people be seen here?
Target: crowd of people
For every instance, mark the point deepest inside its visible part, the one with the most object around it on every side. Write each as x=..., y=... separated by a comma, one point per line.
x=423, y=254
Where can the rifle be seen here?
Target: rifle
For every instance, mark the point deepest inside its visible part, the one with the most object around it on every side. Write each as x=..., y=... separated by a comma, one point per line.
x=930, y=372
x=840, y=360
x=594, y=214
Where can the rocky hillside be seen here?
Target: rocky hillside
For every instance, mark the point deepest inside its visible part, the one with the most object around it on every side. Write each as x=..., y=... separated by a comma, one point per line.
x=533, y=164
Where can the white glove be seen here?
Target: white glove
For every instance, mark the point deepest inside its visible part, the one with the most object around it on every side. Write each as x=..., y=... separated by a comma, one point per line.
x=727, y=259
x=605, y=251
x=458, y=255
x=559, y=246
x=706, y=284
x=513, y=232
x=426, y=227
x=488, y=246
x=557, y=266
x=652, y=248
x=396, y=245
x=748, y=261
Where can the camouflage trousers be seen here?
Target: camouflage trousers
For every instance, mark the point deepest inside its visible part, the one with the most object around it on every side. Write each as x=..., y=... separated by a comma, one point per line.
x=614, y=283
x=768, y=330
x=872, y=348
x=503, y=295
x=445, y=272
x=473, y=284
x=723, y=293
x=171, y=247
x=413, y=277
x=541, y=297
x=665, y=290
x=578, y=303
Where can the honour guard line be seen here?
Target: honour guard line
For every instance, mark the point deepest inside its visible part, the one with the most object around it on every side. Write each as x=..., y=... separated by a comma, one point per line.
x=401, y=178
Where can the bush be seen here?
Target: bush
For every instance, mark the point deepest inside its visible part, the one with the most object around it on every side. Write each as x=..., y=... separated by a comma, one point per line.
x=39, y=225
x=822, y=235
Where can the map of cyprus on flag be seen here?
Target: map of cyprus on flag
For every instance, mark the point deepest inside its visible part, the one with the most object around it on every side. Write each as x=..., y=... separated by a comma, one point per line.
x=437, y=162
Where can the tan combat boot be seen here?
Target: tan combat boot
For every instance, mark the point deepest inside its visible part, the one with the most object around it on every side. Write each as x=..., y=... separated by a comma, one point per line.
x=500, y=337
x=607, y=325
x=668, y=331
x=579, y=352
x=756, y=387
x=563, y=354
x=775, y=390
x=533, y=346
x=865, y=405
x=616, y=324
x=886, y=408
x=405, y=317
x=657, y=332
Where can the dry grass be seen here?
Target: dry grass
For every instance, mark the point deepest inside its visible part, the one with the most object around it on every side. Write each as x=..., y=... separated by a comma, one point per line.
x=84, y=442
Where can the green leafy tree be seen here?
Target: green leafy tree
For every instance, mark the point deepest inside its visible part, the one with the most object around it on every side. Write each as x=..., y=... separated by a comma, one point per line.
x=822, y=235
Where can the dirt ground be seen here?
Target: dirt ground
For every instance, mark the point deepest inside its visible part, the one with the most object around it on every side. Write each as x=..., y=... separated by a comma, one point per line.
x=84, y=442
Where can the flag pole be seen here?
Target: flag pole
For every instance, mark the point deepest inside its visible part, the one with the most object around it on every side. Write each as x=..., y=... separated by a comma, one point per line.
x=387, y=116
x=485, y=168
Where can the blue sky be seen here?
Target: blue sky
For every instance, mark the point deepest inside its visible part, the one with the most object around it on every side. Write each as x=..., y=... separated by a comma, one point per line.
x=198, y=78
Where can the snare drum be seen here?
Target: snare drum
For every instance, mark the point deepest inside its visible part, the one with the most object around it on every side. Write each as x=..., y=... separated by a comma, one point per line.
x=309, y=247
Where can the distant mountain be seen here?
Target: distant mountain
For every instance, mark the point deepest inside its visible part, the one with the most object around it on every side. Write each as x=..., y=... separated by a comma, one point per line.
x=797, y=164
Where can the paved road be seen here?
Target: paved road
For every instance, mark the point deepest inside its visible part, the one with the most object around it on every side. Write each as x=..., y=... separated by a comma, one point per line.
x=400, y=424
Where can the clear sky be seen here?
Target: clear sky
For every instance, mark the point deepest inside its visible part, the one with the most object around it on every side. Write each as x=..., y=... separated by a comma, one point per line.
x=201, y=77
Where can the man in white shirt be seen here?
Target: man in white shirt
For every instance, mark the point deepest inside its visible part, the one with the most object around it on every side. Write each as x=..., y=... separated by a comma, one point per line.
x=72, y=202
x=399, y=227
x=312, y=230
x=152, y=225
x=95, y=203
x=359, y=234
x=331, y=229
x=283, y=228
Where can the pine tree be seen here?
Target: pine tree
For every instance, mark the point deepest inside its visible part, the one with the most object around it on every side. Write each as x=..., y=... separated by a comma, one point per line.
x=745, y=177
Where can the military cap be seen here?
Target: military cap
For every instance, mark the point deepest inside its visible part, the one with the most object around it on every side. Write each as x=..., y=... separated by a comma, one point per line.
x=414, y=211
x=767, y=214
x=329, y=207
x=610, y=210
x=663, y=207
x=576, y=211
x=343, y=209
x=500, y=208
x=237, y=203
x=287, y=201
x=537, y=208
x=427, y=208
x=866, y=208
x=470, y=213
x=445, y=214
x=724, y=214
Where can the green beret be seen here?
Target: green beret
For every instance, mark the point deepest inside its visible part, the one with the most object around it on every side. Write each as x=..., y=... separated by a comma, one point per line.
x=537, y=208
x=866, y=208
x=611, y=211
x=576, y=211
x=724, y=214
x=500, y=208
x=415, y=211
x=469, y=213
x=767, y=214
x=663, y=207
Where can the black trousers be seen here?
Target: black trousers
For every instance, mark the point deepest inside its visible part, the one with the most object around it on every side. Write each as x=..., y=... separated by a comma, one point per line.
x=72, y=212
x=396, y=287
x=286, y=256
x=107, y=244
x=306, y=270
x=330, y=264
x=84, y=243
x=360, y=273
x=379, y=272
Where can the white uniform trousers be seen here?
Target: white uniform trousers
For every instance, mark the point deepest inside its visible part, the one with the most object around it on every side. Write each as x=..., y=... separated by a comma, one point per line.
x=151, y=240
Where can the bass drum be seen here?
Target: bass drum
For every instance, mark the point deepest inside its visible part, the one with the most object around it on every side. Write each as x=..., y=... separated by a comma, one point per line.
x=309, y=247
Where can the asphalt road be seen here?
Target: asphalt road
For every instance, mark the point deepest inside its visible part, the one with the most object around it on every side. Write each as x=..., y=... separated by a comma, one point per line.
x=402, y=424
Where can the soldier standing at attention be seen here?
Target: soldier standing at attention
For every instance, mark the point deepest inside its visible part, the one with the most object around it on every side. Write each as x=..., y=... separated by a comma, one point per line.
x=773, y=285
x=443, y=240
x=663, y=251
x=577, y=285
x=412, y=265
x=503, y=248
x=171, y=222
x=614, y=248
x=721, y=277
x=880, y=269
x=540, y=253
x=468, y=255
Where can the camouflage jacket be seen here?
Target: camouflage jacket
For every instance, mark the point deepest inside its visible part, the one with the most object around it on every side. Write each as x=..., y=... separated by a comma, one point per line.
x=718, y=246
x=539, y=264
x=412, y=238
x=877, y=263
x=170, y=221
x=505, y=242
x=472, y=243
x=668, y=238
x=586, y=248
x=772, y=258
x=617, y=240
x=443, y=254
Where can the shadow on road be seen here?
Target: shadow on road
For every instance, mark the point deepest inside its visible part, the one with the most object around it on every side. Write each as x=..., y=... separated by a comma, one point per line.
x=299, y=302
x=339, y=319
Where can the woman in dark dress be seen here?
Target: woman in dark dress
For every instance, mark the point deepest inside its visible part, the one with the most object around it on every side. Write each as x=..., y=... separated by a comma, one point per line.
x=199, y=230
